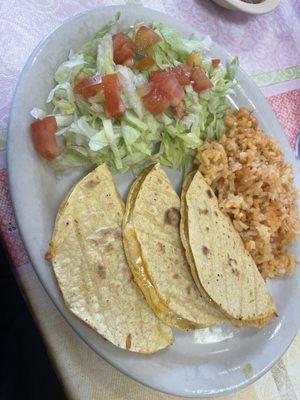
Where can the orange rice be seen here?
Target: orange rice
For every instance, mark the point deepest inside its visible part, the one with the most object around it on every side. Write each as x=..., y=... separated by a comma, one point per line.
x=255, y=187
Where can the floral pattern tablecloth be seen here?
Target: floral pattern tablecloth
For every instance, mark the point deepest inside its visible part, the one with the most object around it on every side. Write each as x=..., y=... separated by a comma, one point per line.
x=268, y=47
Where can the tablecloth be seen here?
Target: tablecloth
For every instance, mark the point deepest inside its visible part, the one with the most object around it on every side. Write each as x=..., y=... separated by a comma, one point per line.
x=268, y=47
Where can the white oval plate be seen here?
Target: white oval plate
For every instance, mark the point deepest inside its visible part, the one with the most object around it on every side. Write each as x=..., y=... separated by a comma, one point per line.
x=200, y=363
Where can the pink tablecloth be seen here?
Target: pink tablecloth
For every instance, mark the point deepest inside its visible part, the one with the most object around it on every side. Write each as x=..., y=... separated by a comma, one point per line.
x=268, y=48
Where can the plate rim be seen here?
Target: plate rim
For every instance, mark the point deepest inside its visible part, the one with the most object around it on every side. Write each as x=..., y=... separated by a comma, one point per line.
x=62, y=310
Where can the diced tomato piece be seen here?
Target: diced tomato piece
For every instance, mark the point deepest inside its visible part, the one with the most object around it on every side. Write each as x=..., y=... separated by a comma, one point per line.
x=123, y=48
x=123, y=54
x=156, y=101
x=200, y=80
x=114, y=106
x=145, y=63
x=43, y=136
x=119, y=39
x=168, y=83
x=145, y=39
x=89, y=87
x=180, y=109
x=215, y=62
x=159, y=76
x=182, y=73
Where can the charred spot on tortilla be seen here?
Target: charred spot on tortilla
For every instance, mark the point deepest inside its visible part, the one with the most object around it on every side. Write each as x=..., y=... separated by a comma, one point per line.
x=235, y=272
x=91, y=183
x=209, y=193
x=205, y=250
x=172, y=216
x=216, y=214
x=207, y=228
x=189, y=289
x=128, y=341
x=101, y=271
x=231, y=261
x=161, y=247
x=203, y=211
x=108, y=247
x=176, y=276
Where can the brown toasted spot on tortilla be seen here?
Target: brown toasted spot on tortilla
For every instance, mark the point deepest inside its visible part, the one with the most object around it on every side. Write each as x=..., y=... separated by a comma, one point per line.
x=235, y=272
x=207, y=228
x=215, y=212
x=67, y=223
x=176, y=276
x=205, y=250
x=101, y=271
x=75, y=220
x=48, y=255
x=113, y=231
x=108, y=247
x=209, y=193
x=128, y=341
x=161, y=247
x=232, y=261
x=159, y=180
x=172, y=216
x=104, y=236
x=203, y=211
x=91, y=184
x=189, y=289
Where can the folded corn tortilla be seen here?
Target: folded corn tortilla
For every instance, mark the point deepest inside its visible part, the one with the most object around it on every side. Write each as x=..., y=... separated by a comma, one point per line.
x=89, y=263
x=156, y=256
x=222, y=268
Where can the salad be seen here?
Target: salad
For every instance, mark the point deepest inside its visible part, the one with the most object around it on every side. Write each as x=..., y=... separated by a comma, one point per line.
x=133, y=98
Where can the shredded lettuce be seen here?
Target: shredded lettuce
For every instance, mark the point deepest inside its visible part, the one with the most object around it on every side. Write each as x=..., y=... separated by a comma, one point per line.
x=67, y=71
x=105, y=62
x=87, y=137
x=180, y=45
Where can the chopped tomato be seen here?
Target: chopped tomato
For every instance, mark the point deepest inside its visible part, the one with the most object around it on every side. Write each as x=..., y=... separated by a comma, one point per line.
x=180, y=109
x=145, y=63
x=43, y=136
x=89, y=87
x=156, y=101
x=200, y=80
x=167, y=82
x=114, y=106
x=182, y=73
x=215, y=62
x=123, y=48
x=145, y=39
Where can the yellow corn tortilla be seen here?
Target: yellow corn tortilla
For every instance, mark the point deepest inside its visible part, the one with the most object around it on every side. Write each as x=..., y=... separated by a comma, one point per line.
x=90, y=265
x=222, y=268
x=156, y=256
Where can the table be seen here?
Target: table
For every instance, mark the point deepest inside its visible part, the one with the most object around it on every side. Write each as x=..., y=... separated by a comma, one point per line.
x=268, y=48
